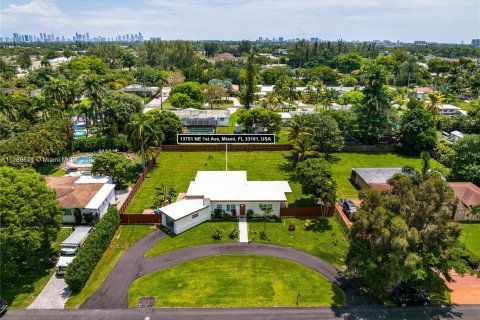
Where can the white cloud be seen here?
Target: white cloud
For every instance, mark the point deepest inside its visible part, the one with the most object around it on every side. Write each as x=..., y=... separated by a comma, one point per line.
x=44, y=8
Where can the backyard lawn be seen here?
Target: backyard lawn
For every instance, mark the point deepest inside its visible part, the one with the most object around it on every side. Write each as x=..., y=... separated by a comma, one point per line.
x=241, y=281
x=124, y=238
x=180, y=168
x=27, y=287
x=472, y=237
x=324, y=240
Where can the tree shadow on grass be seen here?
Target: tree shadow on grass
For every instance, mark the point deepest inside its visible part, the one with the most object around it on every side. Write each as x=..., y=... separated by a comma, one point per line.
x=317, y=224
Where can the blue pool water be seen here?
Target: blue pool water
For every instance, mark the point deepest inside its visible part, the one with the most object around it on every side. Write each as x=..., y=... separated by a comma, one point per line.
x=79, y=134
x=79, y=127
x=83, y=160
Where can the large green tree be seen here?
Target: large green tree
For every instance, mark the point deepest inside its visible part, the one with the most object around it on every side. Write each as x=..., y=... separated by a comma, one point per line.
x=30, y=218
x=325, y=133
x=465, y=159
x=118, y=109
x=248, y=96
x=191, y=89
x=418, y=131
x=405, y=234
x=116, y=165
x=168, y=123
x=259, y=118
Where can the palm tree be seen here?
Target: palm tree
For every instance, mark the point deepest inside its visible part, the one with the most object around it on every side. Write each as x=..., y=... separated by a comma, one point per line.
x=143, y=133
x=317, y=85
x=8, y=108
x=472, y=212
x=273, y=100
x=56, y=92
x=94, y=89
x=86, y=110
x=298, y=126
x=434, y=100
x=328, y=97
x=304, y=145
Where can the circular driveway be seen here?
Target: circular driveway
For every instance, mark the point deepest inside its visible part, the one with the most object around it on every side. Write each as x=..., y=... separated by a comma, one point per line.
x=113, y=293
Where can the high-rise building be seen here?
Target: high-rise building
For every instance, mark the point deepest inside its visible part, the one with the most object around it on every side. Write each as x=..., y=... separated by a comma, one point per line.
x=476, y=42
x=280, y=39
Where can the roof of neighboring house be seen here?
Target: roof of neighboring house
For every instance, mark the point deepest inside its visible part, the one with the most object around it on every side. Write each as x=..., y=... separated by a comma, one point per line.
x=198, y=113
x=466, y=192
x=424, y=89
x=380, y=186
x=234, y=186
x=199, y=122
x=228, y=57
x=139, y=88
x=73, y=194
x=376, y=175
x=183, y=208
x=235, y=87
x=8, y=90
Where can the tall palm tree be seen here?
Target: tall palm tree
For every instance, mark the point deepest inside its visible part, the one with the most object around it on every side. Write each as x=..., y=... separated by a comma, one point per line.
x=87, y=111
x=304, y=145
x=472, y=212
x=55, y=90
x=143, y=133
x=434, y=100
x=298, y=126
x=273, y=100
x=328, y=97
x=95, y=90
x=8, y=108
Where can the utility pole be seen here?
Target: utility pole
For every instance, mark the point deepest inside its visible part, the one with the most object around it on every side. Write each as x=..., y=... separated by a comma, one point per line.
x=226, y=157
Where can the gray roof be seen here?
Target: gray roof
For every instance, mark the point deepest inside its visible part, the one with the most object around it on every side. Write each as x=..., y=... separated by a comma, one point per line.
x=199, y=122
x=201, y=113
x=376, y=175
x=77, y=236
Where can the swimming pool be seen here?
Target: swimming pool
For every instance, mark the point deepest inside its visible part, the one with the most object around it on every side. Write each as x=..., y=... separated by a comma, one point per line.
x=79, y=127
x=83, y=160
x=79, y=134
x=199, y=131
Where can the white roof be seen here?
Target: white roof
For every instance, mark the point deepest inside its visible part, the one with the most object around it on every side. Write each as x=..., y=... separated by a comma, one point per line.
x=285, y=115
x=93, y=179
x=449, y=107
x=457, y=133
x=183, y=208
x=233, y=186
x=100, y=196
x=65, y=261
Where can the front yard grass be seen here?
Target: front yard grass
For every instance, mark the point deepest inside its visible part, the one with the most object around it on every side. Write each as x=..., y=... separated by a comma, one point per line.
x=124, y=238
x=472, y=242
x=31, y=282
x=325, y=240
x=236, y=281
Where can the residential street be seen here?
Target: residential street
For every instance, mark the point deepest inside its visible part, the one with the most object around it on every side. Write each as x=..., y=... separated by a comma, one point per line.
x=470, y=312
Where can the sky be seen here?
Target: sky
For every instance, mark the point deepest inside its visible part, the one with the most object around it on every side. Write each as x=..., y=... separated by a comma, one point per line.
x=405, y=20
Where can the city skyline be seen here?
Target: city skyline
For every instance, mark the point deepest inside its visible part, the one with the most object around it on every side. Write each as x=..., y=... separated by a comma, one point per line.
x=368, y=20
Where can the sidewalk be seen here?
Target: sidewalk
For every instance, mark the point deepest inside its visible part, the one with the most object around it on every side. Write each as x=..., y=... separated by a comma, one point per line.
x=53, y=296
x=243, y=227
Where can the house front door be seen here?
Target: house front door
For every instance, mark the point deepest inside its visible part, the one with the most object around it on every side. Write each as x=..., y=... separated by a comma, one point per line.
x=242, y=209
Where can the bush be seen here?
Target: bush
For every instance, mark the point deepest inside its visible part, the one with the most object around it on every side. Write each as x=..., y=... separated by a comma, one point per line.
x=234, y=233
x=217, y=234
x=91, y=252
x=291, y=227
x=263, y=235
x=250, y=213
x=96, y=143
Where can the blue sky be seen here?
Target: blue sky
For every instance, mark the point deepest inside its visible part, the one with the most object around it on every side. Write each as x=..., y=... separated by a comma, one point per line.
x=404, y=20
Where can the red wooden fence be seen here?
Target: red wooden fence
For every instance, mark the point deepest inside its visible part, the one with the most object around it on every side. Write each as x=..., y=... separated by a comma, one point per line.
x=140, y=218
x=307, y=212
x=231, y=147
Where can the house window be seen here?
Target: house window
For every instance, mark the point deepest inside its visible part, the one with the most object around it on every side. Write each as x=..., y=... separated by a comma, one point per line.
x=221, y=119
x=67, y=212
x=194, y=215
x=219, y=207
x=265, y=207
x=231, y=207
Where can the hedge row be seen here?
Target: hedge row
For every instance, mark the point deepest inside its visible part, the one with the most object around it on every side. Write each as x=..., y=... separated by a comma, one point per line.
x=96, y=143
x=91, y=252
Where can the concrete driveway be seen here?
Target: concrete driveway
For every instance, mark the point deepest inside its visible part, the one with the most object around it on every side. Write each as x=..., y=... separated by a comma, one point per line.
x=53, y=296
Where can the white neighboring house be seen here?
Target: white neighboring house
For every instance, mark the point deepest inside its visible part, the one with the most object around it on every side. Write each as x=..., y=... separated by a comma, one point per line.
x=449, y=110
x=224, y=192
x=455, y=135
x=83, y=194
x=221, y=117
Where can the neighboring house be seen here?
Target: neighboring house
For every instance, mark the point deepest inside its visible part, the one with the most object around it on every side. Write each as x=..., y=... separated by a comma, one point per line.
x=449, y=110
x=467, y=194
x=226, y=57
x=83, y=194
x=421, y=92
x=141, y=90
x=455, y=135
x=192, y=117
x=223, y=193
x=165, y=93
x=374, y=178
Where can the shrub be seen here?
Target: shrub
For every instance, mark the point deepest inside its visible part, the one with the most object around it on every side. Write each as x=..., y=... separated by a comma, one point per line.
x=250, y=213
x=91, y=252
x=217, y=234
x=291, y=227
x=96, y=143
x=234, y=233
x=263, y=235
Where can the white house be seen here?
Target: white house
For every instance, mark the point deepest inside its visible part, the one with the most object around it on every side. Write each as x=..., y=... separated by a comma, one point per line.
x=450, y=110
x=220, y=117
x=83, y=194
x=223, y=192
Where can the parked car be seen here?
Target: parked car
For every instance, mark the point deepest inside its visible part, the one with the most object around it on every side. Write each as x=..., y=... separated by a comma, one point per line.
x=407, y=295
x=3, y=305
x=349, y=207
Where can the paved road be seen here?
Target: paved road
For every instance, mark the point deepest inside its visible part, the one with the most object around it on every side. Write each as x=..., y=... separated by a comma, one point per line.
x=114, y=291
x=466, y=312
x=53, y=296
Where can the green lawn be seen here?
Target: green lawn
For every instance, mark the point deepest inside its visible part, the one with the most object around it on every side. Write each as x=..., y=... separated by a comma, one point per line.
x=473, y=236
x=231, y=125
x=241, y=281
x=344, y=162
x=29, y=285
x=58, y=173
x=180, y=168
x=325, y=240
x=124, y=238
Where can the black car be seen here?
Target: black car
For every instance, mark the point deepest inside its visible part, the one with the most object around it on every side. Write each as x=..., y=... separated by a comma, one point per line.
x=3, y=305
x=407, y=295
x=349, y=207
